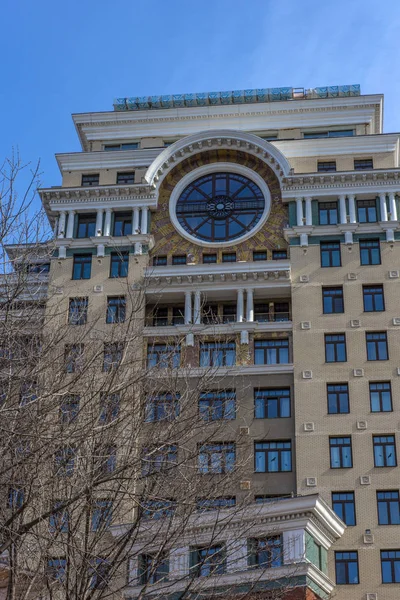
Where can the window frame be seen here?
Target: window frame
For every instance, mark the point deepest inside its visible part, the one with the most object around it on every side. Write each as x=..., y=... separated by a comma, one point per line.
x=90, y=179
x=342, y=447
x=328, y=213
x=170, y=357
x=216, y=458
x=337, y=401
x=118, y=312
x=280, y=348
x=366, y=205
x=273, y=447
x=79, y=266
x=88, y=223
x=328, y=292
x=331, y=250
x=374, y=346
x=217, y=354
x=344, y=513
x=383, y=447
x=376, y=292
x=217, y=405
x=125, y=175
x=78, y=310
x=393, y=569
x=338, y=347
x=326, y=166
x=163, y=406
x=282, y=396
x=367, y=255
x=380, y=395
x=346, y=562
x=391, y=507
x=119, y=264
x=125, y=219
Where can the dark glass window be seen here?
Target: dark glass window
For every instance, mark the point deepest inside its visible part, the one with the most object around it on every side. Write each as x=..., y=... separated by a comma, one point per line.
x=388, y=507
x=217, y=457
x=330, y=254
x=344, y=505
x=82, y=266
x=125, y=177
x=380, y=395
x=373, y=298
x=159, y=261
x=346, y=566
x=163, y=356
x=86, y=226
x=204, y=504
x=328, y=213
x=99, y=573
x=179, y=259
x=209, y=258
x=229, y=313
x=56, y=569
x=279, y=254
x=105, y=460
x=329, y=134
x=16, y=496
x=366, y=210
x=377, y=346
x=229, y=257
x=332, y=298
x=363, y=164
x=65, y=461
x=159, y=458
x=266, y=553
x=122, y=224
x=101, y=514
x=208, y=561
x=119, y=264
x=370, y=252
x=28, y=392
x=260, y=255
x=217, y=354
x=162, y=407
x=273, y=457
x=69, y=408
x=153, y=568
x=384, y=451
x=335, y=347
x=327, y=166
x=109, y=407
x=272, y=403
x=338, y=398
x=178, y=315
x=73, y=357
x=58, y=521
x=340, y=452
x=217, y=405
x=271, y=352
x=390, y=564
x=89, y=180
x=77, y=312
x=125, y=146
x=112, y=356
x=116, y=309
x=158, y=509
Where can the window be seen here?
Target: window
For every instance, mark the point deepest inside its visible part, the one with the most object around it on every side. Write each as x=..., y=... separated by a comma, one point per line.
x=390, y=564
x=163, y=407
x=373, y=298
x=330, y=254
x=56, y=569
x=73, y=357
x=217, y=457
x=86, y=226
x=69, y=409
x=272, y=403
x=271, y=352
x=153, y=568
x=344, y=506
x=179, y=259
x=366, y=210
x=119, y=264
x=78, y=309
x=160, y=317
x=122, y=224
x=326, y=166
x=65, y=461
x=228, y=313
x=204, y=504
x=346, y=567
x=112, y=356
x=126, y=178
x=125, y=146
x=260, y=255
x=28, y=392
x=380, y=395
x=160, y=261
x=363, y=164
x=158, y=509
x=384, y=451
x=163, y=356
x=388, y=507
x=332, y=299
x=279, y=254
x=370, y=252
x=58, y=520
x=267, y=498
x=217, y=405
x=328, y=213
x=338, y=398
x=82, y=266
x=335, y=348
x=116, y=309
x=89, y=180
x=104, y=460
x=178, y=315
x=328, y=134
x=109, y=407
x=101, y=514
x=99, y=573
x=209, y=258
x=340, y=452
x=159, y=458
x=209, y=561
x=217, y=354
x=16, y=497
x=377, y=346
x=266, y=553
x=229, y=257
x=39, y=268
x=273, y=457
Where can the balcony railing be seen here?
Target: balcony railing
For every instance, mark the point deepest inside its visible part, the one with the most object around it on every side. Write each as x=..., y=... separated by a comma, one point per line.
x=270, y=317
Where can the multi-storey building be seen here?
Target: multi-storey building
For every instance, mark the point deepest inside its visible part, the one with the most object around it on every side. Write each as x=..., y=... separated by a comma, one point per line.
x=265, y=224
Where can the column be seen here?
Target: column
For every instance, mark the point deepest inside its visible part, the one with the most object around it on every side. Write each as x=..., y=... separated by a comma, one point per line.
x=61, y=224
x=144, y=219
x=55, y=228
x=197, y=307
x=107, y=224
x=299, y=209
x=250, y=305
x=239, y=306
x=135, y=221
x=188, y=307
x=352, y=209
x=99, y=222
x=393, y=207
x=70, y=226
x=308, y=211
x=342, y=204
x=382, y=200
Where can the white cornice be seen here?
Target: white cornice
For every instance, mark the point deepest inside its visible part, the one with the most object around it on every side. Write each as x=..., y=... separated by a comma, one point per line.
x=245, y=271
x=223, y=329
x=78, y=161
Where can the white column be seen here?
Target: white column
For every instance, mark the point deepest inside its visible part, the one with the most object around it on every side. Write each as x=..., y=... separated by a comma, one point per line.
x=107, y=224
x=382, y=199
x=352, y=209
x=393, y=207
x=135, y=220
x=138, y=248
x=239, y=306
x=342, y=204
x=250, y=305
x=197, y=307
x=61, y=224
x=188, y=307
x=144, y=219
x=308, y=211
x=299, y=209
x=99, y=222
x=55, y=228
x=70, y=225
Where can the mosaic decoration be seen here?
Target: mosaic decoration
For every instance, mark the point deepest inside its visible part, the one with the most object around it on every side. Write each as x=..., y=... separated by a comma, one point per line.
x=234, y=97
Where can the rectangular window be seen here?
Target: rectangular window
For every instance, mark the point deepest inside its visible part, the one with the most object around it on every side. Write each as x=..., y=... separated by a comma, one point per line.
x=28, y=392
x=112, y=356
x=266, y=553
x=69, y=408
x=332, y=299
x=327, y=166
x=86, y=226
x=388, y=507
x=125, y=146
x=366, y=210
x=271, y=352
x=273, y=457
x=119, y=264
x=330, y=254
x=229, y=313
x=104, y=460
x=272, y=403
x=73, y=357
x=116, y=309
x=204, y=504
x=122, y=224
x=363, y=164
x=99, y=573
x=217, y=405
x=328, y=213
x=163, y=356
x=340, y=452
x=82, y=266
x=279, y=254
x=346, y=567
x=338, y=398
x=159, y=458
x=260, y=255
x=344, y=506
x=162, y=407
x=109, y=407
x=373, y=298
x=90, y=180
x=335, y=348
x=160, y=261
x=370, y=252
x=267, y=498
x=229, y=257
x=216, y=457
x=65, y=461
x=390, y=564
x=329, y=134
x=101, y=514
x=217, y=354
x=380, y=396
x=158, y=509
x=179, y=259
x=16, y=496
x=153, y=568
x=209, y=258
x=178, y=315
x=209, y=561
x=77, y=311
x=377, y=346
x=58, y=520
x=126, y=178
x=56, y=569
x=384, y=451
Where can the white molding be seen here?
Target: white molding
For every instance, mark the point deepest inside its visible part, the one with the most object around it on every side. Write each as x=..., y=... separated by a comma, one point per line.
x=237, y=370
x=218, y=329
x=281, y=268
x=101, y=159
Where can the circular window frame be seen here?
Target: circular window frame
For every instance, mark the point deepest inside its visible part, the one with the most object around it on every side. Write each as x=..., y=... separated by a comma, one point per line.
x=219, y=167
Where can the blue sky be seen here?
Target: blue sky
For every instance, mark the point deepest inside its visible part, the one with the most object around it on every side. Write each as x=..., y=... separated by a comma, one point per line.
x=76, y=56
